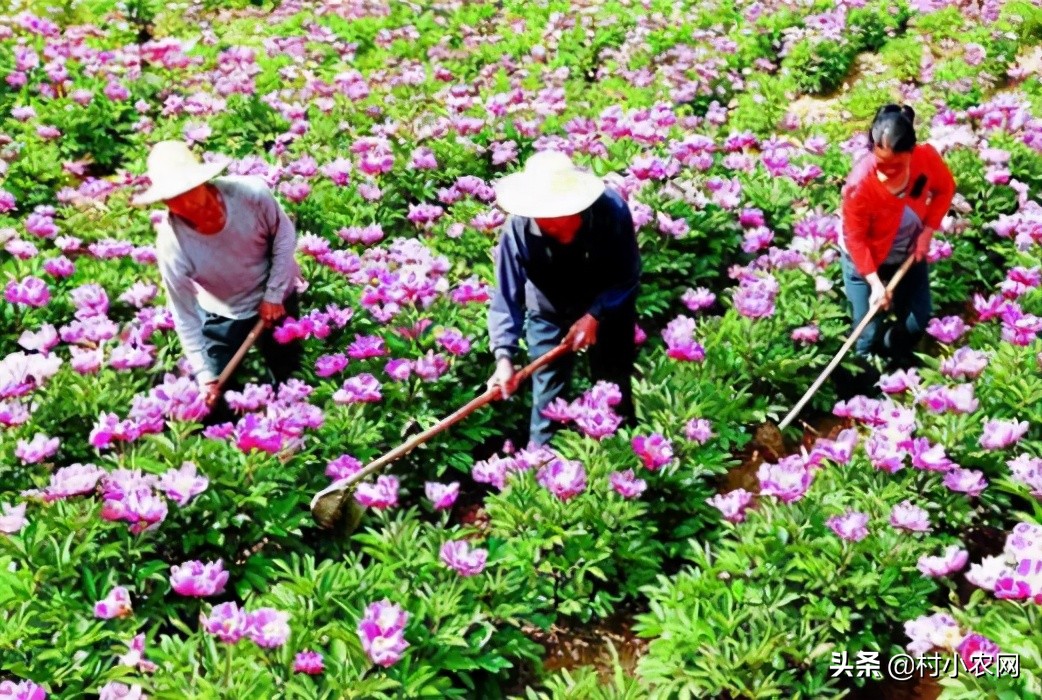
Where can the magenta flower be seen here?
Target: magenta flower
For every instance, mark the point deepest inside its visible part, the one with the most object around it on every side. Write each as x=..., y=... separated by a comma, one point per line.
x=732, y=505
x=807, y=334
x=937, y=631
x=654, y=450
x=948, y=329
x=953, y=559
x=382, y=633
x=885, y=453
x=900, y=381
x=454, y=342
x=1000, y=434
x=698, y=430
x=343, y=467
x=929, y=457
x=851, y=526
x=199, y=580
x=114, y=690
x=978, y=652
x=965, y=363
x=906, y=516
x=251, y=398
x=970, y=482
x=679, y=337
x=59, y=267
x=115, y=604
x=441, y=495
x=22, y=690
x=308, y=662
x=226, y=622
x=987, y=573
x=73, y=480
x=184, y=484
x=30, y=291
x=36, y=450
x=841, y=450
x=430, y=367
x=596, y=421
x=627, y=485
x=1028, y=471
x=12, y=519
x=493, y=471
x=255, y=432
x=135, y=656
x=563, y=478
x=339, y=171
x=364, y=388
x=382, y=494
x=788, y=480
x=326, y=366
x=268, y=627
x=462, y=559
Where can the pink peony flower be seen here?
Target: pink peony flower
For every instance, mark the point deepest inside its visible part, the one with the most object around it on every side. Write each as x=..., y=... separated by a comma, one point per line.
x=382, y=494
x=199, y=580
x=679, y=337
x=226, y=622
x=441, y=495
x=308, y=662
x=953, y=559
x=563, y=478
x=906, y=516
x=732, y=505
x=627, y=485
x=461, y=558
x=382, y=633
x=850, y=526
x=268, y=627
x=115, y=604
x=654, y=450
x=788, y=480
x=999, y=434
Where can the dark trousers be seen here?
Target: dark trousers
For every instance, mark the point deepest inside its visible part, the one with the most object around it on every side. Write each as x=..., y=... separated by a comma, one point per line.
x=611, y=359
x=224, y=336
x=911, y=306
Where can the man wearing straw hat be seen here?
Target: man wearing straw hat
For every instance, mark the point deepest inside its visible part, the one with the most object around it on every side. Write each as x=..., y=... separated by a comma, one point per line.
x=567, y=268
x=225, y=251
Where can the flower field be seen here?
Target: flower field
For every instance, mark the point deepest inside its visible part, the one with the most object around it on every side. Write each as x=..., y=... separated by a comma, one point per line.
x=142, y=555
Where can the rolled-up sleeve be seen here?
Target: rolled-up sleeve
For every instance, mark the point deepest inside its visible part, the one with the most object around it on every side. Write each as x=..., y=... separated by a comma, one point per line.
x=506, y=313
x=623, y=268
x=284, y=268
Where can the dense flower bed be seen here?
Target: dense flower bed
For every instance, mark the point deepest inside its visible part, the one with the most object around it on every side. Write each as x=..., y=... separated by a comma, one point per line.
x=140, y=555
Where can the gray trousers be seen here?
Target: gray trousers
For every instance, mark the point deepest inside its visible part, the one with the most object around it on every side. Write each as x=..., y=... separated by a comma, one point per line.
x=611, y=359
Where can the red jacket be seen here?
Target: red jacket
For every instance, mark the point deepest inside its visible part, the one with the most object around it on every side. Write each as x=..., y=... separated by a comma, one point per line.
x=872, y=215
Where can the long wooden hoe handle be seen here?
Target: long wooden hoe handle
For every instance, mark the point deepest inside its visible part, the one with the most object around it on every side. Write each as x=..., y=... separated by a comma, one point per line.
x=846, y=346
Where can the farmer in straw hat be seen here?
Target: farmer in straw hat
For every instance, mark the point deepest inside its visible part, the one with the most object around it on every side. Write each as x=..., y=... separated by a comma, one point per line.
x=567, y=267
x=226, y=255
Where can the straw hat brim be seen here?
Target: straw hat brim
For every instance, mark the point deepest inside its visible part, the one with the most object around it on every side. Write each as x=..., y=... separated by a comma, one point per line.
x=175, y=182
x=543, y=196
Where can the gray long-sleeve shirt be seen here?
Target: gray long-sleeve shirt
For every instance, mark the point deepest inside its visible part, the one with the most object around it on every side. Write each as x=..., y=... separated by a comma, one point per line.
x=597, y=273
x=252, y=259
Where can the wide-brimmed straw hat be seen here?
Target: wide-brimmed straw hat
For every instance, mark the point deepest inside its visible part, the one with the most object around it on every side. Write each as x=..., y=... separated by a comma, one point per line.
x=549, y=186
x=173, y=169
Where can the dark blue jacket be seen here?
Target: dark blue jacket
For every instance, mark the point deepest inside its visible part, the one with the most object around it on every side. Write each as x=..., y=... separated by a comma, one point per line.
x=597, y=273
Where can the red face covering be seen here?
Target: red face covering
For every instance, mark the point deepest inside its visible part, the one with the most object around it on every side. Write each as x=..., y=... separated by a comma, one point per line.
x=562, y=229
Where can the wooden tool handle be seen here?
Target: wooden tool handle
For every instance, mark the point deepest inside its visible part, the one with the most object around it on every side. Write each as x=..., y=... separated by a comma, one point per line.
x=405, y=448
x=255, y=333
x=846, y=346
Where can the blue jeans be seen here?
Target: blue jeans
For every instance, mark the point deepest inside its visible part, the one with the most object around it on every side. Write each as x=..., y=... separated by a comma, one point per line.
x=911, y=305
x=611, y=359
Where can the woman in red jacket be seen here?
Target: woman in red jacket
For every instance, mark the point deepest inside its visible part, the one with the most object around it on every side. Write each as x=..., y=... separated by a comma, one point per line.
x=893, y=201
